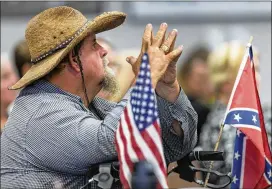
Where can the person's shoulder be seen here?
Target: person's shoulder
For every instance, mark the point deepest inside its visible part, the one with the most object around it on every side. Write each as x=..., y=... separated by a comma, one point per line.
x=267, y=115
x=266, y=107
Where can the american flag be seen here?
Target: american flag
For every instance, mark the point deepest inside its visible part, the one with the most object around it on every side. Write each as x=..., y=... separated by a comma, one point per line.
x=252, y=157
x=138, y=136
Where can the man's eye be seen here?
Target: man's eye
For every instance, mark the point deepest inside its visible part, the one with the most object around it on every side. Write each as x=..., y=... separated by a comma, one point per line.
x=94, y=44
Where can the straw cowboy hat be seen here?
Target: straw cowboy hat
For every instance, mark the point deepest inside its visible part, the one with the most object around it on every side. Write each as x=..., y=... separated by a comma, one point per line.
x=54, y=32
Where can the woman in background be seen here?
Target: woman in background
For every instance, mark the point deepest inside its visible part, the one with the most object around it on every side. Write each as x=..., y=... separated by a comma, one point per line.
x=8, y=78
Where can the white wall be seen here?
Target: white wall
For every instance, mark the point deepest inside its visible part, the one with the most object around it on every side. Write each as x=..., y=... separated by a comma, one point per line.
x=129, y=36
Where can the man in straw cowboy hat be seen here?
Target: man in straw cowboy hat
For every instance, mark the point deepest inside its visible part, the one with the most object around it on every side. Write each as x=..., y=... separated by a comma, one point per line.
x=58, y=129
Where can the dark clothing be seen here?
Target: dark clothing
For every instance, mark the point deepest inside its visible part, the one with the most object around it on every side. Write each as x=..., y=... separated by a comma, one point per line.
x=202, y=113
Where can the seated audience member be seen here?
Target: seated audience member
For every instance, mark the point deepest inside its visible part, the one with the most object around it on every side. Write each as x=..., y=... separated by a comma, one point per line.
x=194, y=78
x=58, y=129
x=124, y=75
x=8, y=78
x=22, y=57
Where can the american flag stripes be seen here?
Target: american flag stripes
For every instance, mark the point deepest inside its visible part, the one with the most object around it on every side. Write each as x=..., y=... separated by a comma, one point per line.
x=138, y=136
x=252, y=156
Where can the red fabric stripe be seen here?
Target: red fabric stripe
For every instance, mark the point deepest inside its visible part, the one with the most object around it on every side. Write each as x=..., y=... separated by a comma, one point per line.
x=152, y=146
x=148, y=141
x=135, y=146
x=124, y=181
x=127, y=158
x=253, y=165
x=262, y=182
x=157, y=127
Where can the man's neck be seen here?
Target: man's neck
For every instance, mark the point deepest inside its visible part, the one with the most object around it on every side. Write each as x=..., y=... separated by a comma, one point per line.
x=76, y=89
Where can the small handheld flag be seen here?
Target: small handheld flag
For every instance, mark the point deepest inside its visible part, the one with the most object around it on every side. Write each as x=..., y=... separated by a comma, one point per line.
x=252, y=156
x=138, y=136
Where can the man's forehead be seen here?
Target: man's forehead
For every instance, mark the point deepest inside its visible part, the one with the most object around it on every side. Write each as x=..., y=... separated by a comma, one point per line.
x=90, y=37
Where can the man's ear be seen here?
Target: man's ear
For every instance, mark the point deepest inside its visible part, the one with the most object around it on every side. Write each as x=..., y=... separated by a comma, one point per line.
x=73, y=61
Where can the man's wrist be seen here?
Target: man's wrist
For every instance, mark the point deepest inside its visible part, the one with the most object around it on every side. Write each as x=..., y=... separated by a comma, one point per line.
x=168, y=92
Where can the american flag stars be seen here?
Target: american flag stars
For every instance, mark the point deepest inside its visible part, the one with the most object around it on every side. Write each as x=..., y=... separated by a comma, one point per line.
x=142, y=100
x=138, y=136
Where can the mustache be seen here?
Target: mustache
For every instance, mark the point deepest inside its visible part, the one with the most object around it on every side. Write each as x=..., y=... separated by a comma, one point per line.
x=105, y=61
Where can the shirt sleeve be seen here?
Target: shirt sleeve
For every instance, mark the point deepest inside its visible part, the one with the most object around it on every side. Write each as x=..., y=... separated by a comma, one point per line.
x=67, y=138
x=176, y=147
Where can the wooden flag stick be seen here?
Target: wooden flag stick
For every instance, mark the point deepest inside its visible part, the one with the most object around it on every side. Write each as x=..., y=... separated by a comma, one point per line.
x=215, y=149
x=219, y=138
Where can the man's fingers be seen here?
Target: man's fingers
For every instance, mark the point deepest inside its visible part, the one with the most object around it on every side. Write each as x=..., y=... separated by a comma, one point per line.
x=135, y=63
x=175, y=54
x=169, y=43
x=152, y=38
x=147, y=37
x=131, y=59
x=160, y=35
x=172, y=46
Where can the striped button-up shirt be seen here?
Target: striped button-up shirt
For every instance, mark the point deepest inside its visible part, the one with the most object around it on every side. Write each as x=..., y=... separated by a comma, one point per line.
x=51, y=139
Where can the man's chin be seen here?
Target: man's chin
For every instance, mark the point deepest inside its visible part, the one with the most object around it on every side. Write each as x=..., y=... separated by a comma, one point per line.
x=109, y=71
x=110, y=83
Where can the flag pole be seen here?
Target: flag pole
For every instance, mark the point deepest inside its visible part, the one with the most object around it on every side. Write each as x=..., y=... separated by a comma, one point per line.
x=219, y=138
x=215, y=149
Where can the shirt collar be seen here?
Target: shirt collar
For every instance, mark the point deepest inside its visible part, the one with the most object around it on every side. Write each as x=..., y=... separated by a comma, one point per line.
x=46, y=86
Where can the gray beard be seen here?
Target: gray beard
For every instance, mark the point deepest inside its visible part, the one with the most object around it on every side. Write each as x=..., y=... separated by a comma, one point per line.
x=110, y=84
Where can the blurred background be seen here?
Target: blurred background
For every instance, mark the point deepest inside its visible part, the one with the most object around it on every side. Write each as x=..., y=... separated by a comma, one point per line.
x=214, y=35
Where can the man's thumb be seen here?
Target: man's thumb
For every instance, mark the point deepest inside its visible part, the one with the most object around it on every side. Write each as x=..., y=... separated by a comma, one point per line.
x=131, y=60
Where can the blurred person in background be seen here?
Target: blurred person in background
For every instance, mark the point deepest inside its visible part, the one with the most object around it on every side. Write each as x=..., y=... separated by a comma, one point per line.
x=224, y=63
x=194, y=78
x=21, y=57
x=125, y=74
x=8, y=78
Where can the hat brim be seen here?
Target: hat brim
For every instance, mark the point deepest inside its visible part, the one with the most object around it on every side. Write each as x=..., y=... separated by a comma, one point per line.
x=101, y=23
